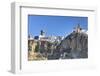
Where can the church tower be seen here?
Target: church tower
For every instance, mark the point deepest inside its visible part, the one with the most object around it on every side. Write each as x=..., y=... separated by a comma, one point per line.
x=42, y=33
x=77, y=29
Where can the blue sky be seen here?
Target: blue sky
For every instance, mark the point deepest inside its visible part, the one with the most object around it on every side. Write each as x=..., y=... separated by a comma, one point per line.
x=54, y=25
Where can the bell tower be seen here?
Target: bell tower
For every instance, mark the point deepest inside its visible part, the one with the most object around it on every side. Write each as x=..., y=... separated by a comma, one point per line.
x=42, y=33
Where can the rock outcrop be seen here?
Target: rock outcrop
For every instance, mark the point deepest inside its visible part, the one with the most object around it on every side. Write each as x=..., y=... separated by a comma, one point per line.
x=74, y=46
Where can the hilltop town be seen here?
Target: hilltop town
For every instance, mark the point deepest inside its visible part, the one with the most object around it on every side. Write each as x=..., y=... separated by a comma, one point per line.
x=44, y=47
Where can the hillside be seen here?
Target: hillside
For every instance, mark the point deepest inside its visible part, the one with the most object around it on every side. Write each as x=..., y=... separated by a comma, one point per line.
x=74, y=45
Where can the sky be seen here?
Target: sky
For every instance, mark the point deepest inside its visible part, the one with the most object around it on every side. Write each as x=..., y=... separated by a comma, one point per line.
x=54, y=25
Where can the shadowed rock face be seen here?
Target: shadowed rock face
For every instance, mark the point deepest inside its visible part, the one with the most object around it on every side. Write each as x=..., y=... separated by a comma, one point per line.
x=73, y=46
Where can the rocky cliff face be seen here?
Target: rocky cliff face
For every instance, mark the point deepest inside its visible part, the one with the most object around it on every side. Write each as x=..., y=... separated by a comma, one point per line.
x=73, y=46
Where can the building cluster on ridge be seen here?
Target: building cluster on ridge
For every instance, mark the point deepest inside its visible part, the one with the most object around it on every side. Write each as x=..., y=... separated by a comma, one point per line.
x=42, y=40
